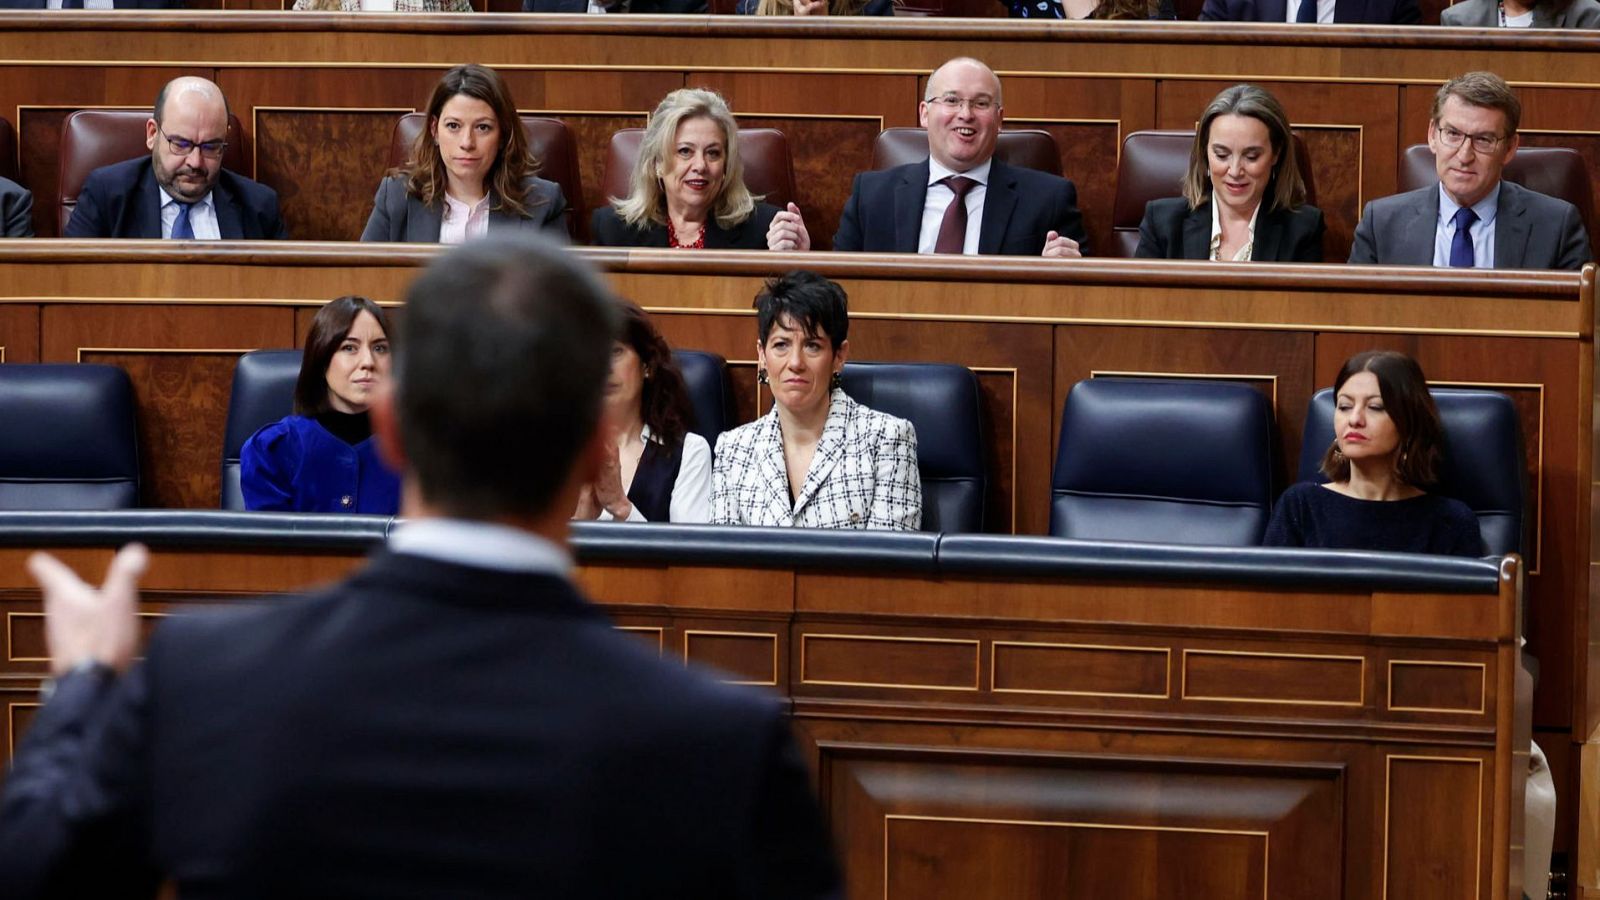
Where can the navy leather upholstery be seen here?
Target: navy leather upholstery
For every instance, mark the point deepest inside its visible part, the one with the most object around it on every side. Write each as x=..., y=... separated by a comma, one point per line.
x=70, y=439
x=1483, y=461
x=263, y=393
x=941, y=402
x=1175, y=462
x=710, y=392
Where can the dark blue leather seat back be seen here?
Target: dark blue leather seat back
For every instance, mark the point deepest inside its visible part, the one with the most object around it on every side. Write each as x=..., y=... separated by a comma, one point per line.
x=263, y=393
x=70, y=440
x=1175, y=462
x=710, y=392
x=941, y=402
x=1483, y=461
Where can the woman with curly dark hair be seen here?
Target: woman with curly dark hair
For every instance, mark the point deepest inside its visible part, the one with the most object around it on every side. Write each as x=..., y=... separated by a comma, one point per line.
x=658, y=470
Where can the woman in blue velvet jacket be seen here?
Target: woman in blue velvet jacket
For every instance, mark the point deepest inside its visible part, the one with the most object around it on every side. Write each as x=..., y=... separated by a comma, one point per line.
x=323, y=458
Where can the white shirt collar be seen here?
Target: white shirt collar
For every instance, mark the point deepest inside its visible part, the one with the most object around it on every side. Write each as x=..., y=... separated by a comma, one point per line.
x=483, y=545
x=167, y=199
x=978, y=173
x=454, y=207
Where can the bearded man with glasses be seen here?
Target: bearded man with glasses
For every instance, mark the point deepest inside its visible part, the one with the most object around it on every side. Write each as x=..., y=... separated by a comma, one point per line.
x=181, y=190
x=1473, y=218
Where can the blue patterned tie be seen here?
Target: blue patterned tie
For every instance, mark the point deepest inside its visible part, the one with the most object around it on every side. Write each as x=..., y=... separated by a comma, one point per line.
x=1461, y=244
x=183, y=231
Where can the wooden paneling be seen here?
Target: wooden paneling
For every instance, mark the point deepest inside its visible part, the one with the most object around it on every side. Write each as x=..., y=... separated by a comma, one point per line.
x=318, y=162
x=822, y=180
x=1437, y=686
x=1249, y=677
x=1423, y=854
x=19, y=333
x=1091, y=669
x=888, y=661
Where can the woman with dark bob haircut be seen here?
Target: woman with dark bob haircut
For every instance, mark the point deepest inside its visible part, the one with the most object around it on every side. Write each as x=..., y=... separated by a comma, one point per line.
x=818, y=459
x=469, y=172
x=1386, y=450
x=323, y=458
x=1243, y=198
x=658, y=470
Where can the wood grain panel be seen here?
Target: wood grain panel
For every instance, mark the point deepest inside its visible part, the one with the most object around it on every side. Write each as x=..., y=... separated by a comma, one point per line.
x=1436, y=686
x=751, y=657
x=1085, y=149
x=1088, y=669
x=1423, y=854
x=885, y=661
x=319, y=163
x=19, y=333
x=593, y=136
x=21, y=705
x=1335, y=156
x=827, y=154
x=1273, y=678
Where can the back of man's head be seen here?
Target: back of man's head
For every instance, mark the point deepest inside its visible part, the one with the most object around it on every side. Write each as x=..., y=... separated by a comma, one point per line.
x=504, y=354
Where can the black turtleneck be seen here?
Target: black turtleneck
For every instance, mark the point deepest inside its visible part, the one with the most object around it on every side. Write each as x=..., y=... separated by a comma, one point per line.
x=352, y=428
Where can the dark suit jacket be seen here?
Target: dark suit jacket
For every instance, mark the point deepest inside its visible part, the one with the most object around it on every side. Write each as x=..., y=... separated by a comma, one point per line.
x=16, y=210
x=1171, y=230
x=397, y=216
x=1486, y=14
x=1345, y=12
x=884, y=212
x=1531, y=230
x=422, y=730
x=123, y=201
x=607, y=229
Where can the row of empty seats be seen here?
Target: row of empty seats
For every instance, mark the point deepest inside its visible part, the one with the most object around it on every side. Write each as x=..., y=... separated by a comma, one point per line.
x=1151, y=165
x=1169, y=461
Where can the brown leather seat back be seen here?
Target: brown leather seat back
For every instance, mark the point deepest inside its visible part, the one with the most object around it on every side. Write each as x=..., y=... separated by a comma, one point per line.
x=1025, y=148
x=91, y=138
x=1152, y=167
x=1556, y=171
x=768, y=168
x=550, y=140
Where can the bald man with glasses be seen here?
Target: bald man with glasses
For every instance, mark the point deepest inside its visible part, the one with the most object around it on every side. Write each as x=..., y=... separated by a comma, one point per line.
x=1473, y=218
x=180, y=191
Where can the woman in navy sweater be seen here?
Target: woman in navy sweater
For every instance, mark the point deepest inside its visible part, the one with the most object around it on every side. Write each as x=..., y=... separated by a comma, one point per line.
x=1386, y=451
x=323, y=458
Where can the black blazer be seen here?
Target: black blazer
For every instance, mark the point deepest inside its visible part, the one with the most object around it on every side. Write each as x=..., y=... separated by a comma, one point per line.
x=1345, y=12
x=422, y=730
x=608, y=230
x=123, y=201
x=1171, y=230
x=884, y=212
x=399, y=217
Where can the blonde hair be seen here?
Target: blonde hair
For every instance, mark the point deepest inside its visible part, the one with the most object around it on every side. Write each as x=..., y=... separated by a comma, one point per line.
x=646, y=200
x=1285, y=190
x=786, y=7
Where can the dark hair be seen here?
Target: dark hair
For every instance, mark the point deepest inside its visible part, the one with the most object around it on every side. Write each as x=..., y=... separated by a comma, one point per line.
x=1484, y=89
x=513, y=163
x=1125, y=9
x=505, y=352
x=334, y=320
x=1406, y=400
x=1285, y=189
x=664, y=404
x=818, y=306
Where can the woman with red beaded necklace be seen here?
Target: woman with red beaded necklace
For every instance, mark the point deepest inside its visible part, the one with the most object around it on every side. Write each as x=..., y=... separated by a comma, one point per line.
x=687, y=188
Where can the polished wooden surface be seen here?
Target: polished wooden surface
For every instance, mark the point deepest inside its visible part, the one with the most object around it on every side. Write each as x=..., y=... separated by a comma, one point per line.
x=1003, y=737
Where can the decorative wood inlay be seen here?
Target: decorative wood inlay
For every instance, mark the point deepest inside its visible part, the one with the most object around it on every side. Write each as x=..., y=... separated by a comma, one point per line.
x=1418, y=685
x=858, y=660
x=1273, y=677
x=1080, y=669
x=1421, y=854
x=748, y=653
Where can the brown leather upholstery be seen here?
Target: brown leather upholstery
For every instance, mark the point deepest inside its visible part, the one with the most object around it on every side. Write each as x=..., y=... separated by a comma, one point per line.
x=1152, y=167
x=550, y=140
x=768, y=168
x=8, y=151
x=91, y=138
x=1025, y=148
x=1556, y=171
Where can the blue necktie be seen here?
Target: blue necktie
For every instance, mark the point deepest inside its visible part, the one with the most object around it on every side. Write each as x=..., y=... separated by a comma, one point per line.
x=72, y=4
x=1461, y=244
x=183, y=231
x=1307, y=12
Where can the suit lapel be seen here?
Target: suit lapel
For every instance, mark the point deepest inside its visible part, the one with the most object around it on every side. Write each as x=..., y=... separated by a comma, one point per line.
x=1414, y=243
x=829, y=448
x=1270, y=227
x=423, y=222
x=771, y=471
x=147, y=209
x=1197, y=233
x=229, y=225
x=1511, y=229
x=910, y=194
x=503, y=221
x=999, y=199
x=1273, y=10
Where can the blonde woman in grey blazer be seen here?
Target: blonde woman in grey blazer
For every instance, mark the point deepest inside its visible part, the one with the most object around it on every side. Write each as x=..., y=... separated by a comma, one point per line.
x=818, y=459
x=470, y=171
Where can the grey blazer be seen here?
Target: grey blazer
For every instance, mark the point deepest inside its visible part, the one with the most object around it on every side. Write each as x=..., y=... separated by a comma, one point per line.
x=16, y=210
x=399, y=217
x=1486, y=14
x=1531, y=231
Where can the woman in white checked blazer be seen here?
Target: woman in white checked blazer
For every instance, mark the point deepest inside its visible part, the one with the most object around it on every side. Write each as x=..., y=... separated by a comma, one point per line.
x=818, y=459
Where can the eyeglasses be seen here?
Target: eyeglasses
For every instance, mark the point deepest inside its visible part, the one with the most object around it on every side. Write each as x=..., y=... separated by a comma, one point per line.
x=184, y=146
x=1481, y=143
x=953, y=103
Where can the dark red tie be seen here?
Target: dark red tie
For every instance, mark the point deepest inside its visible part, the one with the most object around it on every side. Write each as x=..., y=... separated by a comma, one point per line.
x=953, y=230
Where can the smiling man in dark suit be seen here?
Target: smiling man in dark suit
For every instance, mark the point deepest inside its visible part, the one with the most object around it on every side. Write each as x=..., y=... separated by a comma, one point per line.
x=962, y=199
x=1473, y=218
x=1339, y=12
x=181, y=190
x=455, y=720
